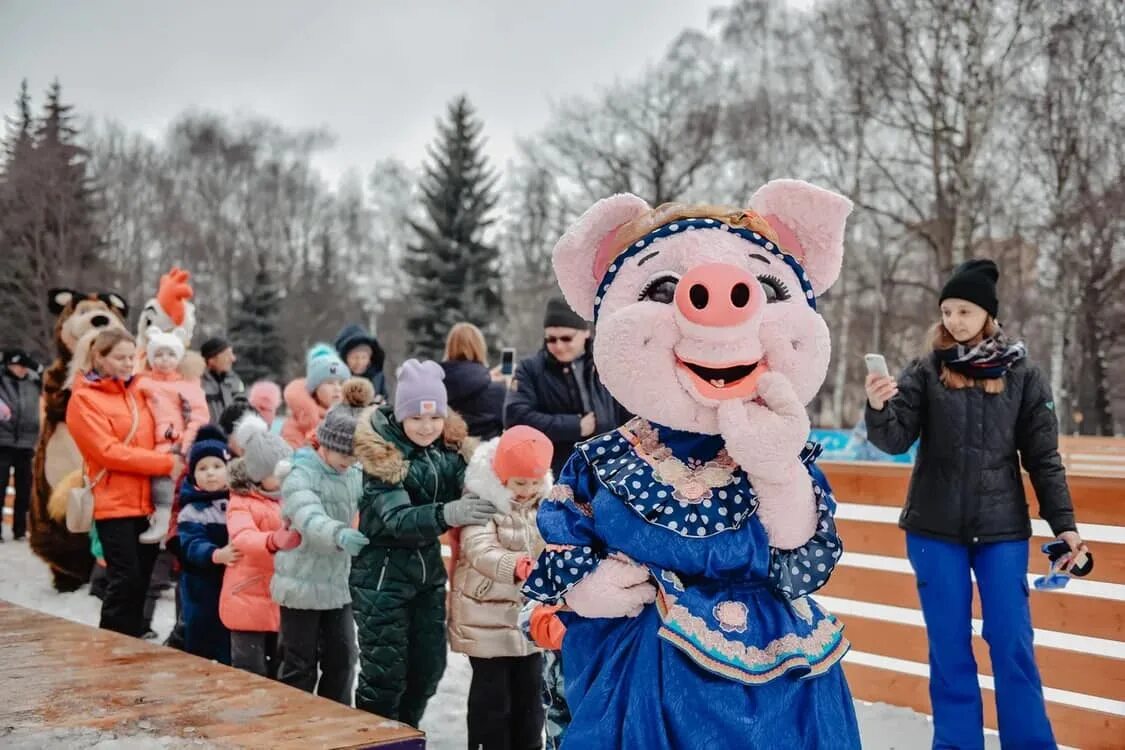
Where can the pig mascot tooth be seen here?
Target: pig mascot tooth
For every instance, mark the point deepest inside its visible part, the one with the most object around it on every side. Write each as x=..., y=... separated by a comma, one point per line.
x=685, y=545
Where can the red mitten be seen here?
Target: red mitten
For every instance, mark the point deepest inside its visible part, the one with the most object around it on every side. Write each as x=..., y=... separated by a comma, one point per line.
x=524, y=566
x=284, y=539
x=547, y=630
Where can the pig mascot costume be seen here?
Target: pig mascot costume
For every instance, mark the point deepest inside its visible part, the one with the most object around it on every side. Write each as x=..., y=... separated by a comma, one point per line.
x=684, y=546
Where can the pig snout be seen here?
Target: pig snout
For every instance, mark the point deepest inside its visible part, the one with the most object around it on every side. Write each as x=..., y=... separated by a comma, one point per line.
x=719, y=295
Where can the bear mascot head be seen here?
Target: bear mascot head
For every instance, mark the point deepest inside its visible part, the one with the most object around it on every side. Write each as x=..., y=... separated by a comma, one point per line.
x=58, y=465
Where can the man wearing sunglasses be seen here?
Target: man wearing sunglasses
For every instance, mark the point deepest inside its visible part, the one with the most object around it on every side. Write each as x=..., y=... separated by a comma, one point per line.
x=557, y=390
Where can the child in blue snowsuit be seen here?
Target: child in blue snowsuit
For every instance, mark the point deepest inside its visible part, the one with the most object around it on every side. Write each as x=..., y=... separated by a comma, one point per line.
x=204, y=545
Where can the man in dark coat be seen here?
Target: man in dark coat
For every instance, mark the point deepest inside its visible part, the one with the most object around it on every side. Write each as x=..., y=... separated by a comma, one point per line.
x=364, y=356
x=19, y=431
x=220, y=382
x=557, y=390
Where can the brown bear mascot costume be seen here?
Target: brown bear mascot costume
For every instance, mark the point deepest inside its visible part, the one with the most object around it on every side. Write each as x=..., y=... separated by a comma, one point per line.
x=57, y=462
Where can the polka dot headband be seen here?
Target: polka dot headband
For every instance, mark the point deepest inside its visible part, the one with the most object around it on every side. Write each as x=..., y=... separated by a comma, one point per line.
x=731, y=224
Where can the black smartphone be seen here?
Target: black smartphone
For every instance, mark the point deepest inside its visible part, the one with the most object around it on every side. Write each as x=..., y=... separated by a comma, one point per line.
x=507, y=361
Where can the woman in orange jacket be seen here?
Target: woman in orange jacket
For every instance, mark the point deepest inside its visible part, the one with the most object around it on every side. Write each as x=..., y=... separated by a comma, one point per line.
x=116, y=437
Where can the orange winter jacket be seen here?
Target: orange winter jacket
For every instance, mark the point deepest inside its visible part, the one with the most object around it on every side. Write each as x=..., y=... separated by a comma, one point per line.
x=305, y=413
x=99, y=417
x=245, y=603
x=169, y=396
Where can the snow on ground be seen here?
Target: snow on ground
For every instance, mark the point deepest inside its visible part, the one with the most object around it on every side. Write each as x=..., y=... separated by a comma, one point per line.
x=24, y=580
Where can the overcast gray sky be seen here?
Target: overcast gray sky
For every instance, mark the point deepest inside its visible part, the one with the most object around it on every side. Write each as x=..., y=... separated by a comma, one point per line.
x=376, y=73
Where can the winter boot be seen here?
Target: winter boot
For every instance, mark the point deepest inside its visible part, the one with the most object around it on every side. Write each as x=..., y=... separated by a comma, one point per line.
x=157, y=526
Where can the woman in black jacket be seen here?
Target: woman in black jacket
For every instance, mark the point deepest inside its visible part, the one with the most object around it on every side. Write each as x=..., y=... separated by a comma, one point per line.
x=976, y=403
x=476, y=393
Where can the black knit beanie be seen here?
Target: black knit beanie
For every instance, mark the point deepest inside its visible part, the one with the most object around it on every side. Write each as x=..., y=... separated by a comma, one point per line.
x=974, y=281
x=559, y=315
x=213, y=347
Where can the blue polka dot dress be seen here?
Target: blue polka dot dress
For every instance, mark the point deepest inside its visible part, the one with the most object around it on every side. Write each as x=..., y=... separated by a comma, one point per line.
x=734, y=653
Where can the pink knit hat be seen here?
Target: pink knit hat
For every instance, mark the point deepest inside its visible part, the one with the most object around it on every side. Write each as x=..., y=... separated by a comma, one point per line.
x=265, y=397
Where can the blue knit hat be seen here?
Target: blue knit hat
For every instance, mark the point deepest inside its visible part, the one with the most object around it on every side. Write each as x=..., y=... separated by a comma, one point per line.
x=209, y=441
x=323, y=364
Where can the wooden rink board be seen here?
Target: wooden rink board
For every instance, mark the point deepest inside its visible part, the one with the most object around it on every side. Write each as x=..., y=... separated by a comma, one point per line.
x=890, y=652
x=60, y=674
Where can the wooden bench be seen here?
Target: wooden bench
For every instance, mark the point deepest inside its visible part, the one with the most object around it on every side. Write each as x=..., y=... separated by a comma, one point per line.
x=1080, y=632
x=56, y=674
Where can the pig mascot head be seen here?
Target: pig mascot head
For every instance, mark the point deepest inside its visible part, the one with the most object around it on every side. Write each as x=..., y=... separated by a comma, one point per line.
x=706, y=320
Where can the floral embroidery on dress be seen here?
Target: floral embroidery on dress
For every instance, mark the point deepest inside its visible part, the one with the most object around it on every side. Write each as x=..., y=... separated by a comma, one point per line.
x=724, y=497
x=811, y=654
x=692, y=481
x=803, y=609
x=560, y=493
x=731, y=616
x=673, y=579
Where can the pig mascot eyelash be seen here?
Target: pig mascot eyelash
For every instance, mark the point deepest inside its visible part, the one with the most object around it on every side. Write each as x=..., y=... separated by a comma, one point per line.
x=685, y=544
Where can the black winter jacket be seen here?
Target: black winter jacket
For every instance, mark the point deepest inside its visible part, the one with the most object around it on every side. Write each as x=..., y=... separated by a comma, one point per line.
x=545, y=395
x=967, y=486
x=22, y=397
x=476, y=397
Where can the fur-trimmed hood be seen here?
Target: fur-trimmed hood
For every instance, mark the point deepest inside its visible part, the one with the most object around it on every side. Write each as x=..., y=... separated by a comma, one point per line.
x=481, y=479
x=384, y=450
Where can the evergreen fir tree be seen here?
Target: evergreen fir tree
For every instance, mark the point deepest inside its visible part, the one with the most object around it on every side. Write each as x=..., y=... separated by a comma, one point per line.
x=255, y=329
x=48, y=217
x=454, y=273
x=16, y=222
x=70, y=197
x=18, y=141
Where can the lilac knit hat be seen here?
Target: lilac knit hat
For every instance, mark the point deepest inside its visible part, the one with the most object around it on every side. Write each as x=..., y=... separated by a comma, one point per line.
x=420, y=390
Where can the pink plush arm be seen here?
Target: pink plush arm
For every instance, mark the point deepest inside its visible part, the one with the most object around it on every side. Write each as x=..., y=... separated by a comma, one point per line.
x=766, y=440
x=615, y=589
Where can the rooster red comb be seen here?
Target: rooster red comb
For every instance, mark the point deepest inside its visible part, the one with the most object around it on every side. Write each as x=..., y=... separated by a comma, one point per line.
x=175, y=290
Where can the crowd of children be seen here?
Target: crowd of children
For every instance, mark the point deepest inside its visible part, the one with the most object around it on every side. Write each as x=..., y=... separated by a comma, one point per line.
x=312, y=542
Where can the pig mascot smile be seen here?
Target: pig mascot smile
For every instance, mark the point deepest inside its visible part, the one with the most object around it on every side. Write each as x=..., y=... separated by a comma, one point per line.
x=683, y=546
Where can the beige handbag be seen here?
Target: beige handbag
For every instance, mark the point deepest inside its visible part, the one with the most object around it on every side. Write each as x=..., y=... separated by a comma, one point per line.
x=80, y=500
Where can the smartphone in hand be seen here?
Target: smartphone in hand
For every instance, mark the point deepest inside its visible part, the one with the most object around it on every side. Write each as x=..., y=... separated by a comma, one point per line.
x=507, y=361
x=876, y=364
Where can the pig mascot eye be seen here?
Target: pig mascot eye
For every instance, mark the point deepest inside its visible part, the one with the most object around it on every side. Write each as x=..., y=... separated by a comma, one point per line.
x=661, y=289
x=775, y=288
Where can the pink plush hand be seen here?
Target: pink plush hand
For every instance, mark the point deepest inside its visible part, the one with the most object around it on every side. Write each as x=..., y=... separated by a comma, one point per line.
x=614, y=589
x=285, y=539
x=766, y=439
x=524, y=566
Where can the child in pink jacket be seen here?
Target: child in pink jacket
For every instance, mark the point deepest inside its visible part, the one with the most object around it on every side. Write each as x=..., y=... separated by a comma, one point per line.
x=179, y=409
x=308, y=399
x=256, y=532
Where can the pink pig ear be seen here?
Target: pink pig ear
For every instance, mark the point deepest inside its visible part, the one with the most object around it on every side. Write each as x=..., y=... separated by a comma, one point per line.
x=809, y=221
x=582, y=255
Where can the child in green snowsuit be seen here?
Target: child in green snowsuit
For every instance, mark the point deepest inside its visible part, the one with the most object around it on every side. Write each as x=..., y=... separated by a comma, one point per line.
x=413, y=471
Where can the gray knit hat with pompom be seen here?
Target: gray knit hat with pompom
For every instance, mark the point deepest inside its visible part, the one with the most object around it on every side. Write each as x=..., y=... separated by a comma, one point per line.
x=337, y=431
x=262, y=451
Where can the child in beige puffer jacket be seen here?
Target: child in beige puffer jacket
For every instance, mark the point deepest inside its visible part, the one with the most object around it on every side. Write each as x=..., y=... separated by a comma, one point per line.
x=513, y=472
